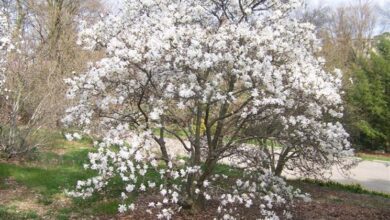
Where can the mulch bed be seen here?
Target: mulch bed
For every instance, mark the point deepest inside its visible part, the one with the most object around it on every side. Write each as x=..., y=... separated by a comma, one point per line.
x=319, y=210
x=327, y=204
x=337, y=204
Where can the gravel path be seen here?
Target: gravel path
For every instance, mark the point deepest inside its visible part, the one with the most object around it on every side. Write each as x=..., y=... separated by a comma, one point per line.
x=371, y=175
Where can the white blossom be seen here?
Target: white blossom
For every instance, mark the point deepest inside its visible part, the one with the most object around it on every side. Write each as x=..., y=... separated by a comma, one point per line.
x=184, y=69
x=122, y=208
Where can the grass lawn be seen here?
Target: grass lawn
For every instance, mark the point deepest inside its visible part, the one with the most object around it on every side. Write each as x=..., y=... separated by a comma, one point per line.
x=34, y=189
x=371, y=157
x=39, y=183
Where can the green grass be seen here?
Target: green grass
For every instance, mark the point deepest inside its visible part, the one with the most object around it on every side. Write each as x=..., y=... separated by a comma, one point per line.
x=52, y=175
x=227, y=170
x=49, y=173
x=44, y=180
x=372, y=157
x=10, y=213
x=353, y=188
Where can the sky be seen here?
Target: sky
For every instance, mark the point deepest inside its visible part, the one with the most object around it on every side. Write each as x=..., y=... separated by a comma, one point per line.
x=335, y=3
x=383, y=25
x=116, y=3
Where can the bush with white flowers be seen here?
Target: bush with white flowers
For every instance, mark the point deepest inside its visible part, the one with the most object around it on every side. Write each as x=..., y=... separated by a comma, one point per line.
x=202, y=72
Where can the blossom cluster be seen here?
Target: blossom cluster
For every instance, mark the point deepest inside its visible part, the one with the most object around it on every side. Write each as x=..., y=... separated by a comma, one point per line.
x=185, y=65
x=256, y=188
x=73, y=136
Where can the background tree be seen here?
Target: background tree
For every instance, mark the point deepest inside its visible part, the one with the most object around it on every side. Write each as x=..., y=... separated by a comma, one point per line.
x=45, y=37
x=370, y=98
x=347, y=35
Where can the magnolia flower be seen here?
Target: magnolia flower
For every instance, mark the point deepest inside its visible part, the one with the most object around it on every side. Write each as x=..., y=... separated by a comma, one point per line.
x=248, y=203
x=138, y=156
x=122, y=208
x=130, y=188
x=77, y=136
x=142, y=187
x=199, y=77
x=69, y=137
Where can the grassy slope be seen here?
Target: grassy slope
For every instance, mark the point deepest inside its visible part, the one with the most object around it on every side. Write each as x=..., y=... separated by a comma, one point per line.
x=372, y=157
x=48, y=174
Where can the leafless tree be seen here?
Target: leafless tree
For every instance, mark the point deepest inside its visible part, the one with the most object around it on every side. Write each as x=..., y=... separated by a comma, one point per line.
x=46, y=53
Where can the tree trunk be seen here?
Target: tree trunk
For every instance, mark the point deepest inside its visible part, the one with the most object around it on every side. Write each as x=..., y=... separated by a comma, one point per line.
x=281, y=162
x=279, y=168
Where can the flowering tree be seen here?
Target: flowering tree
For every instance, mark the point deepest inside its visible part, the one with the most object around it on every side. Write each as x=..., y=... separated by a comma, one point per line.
x=204, y=73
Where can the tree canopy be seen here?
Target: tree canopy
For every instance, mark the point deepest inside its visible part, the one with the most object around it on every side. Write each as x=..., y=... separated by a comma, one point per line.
x=204, y=72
